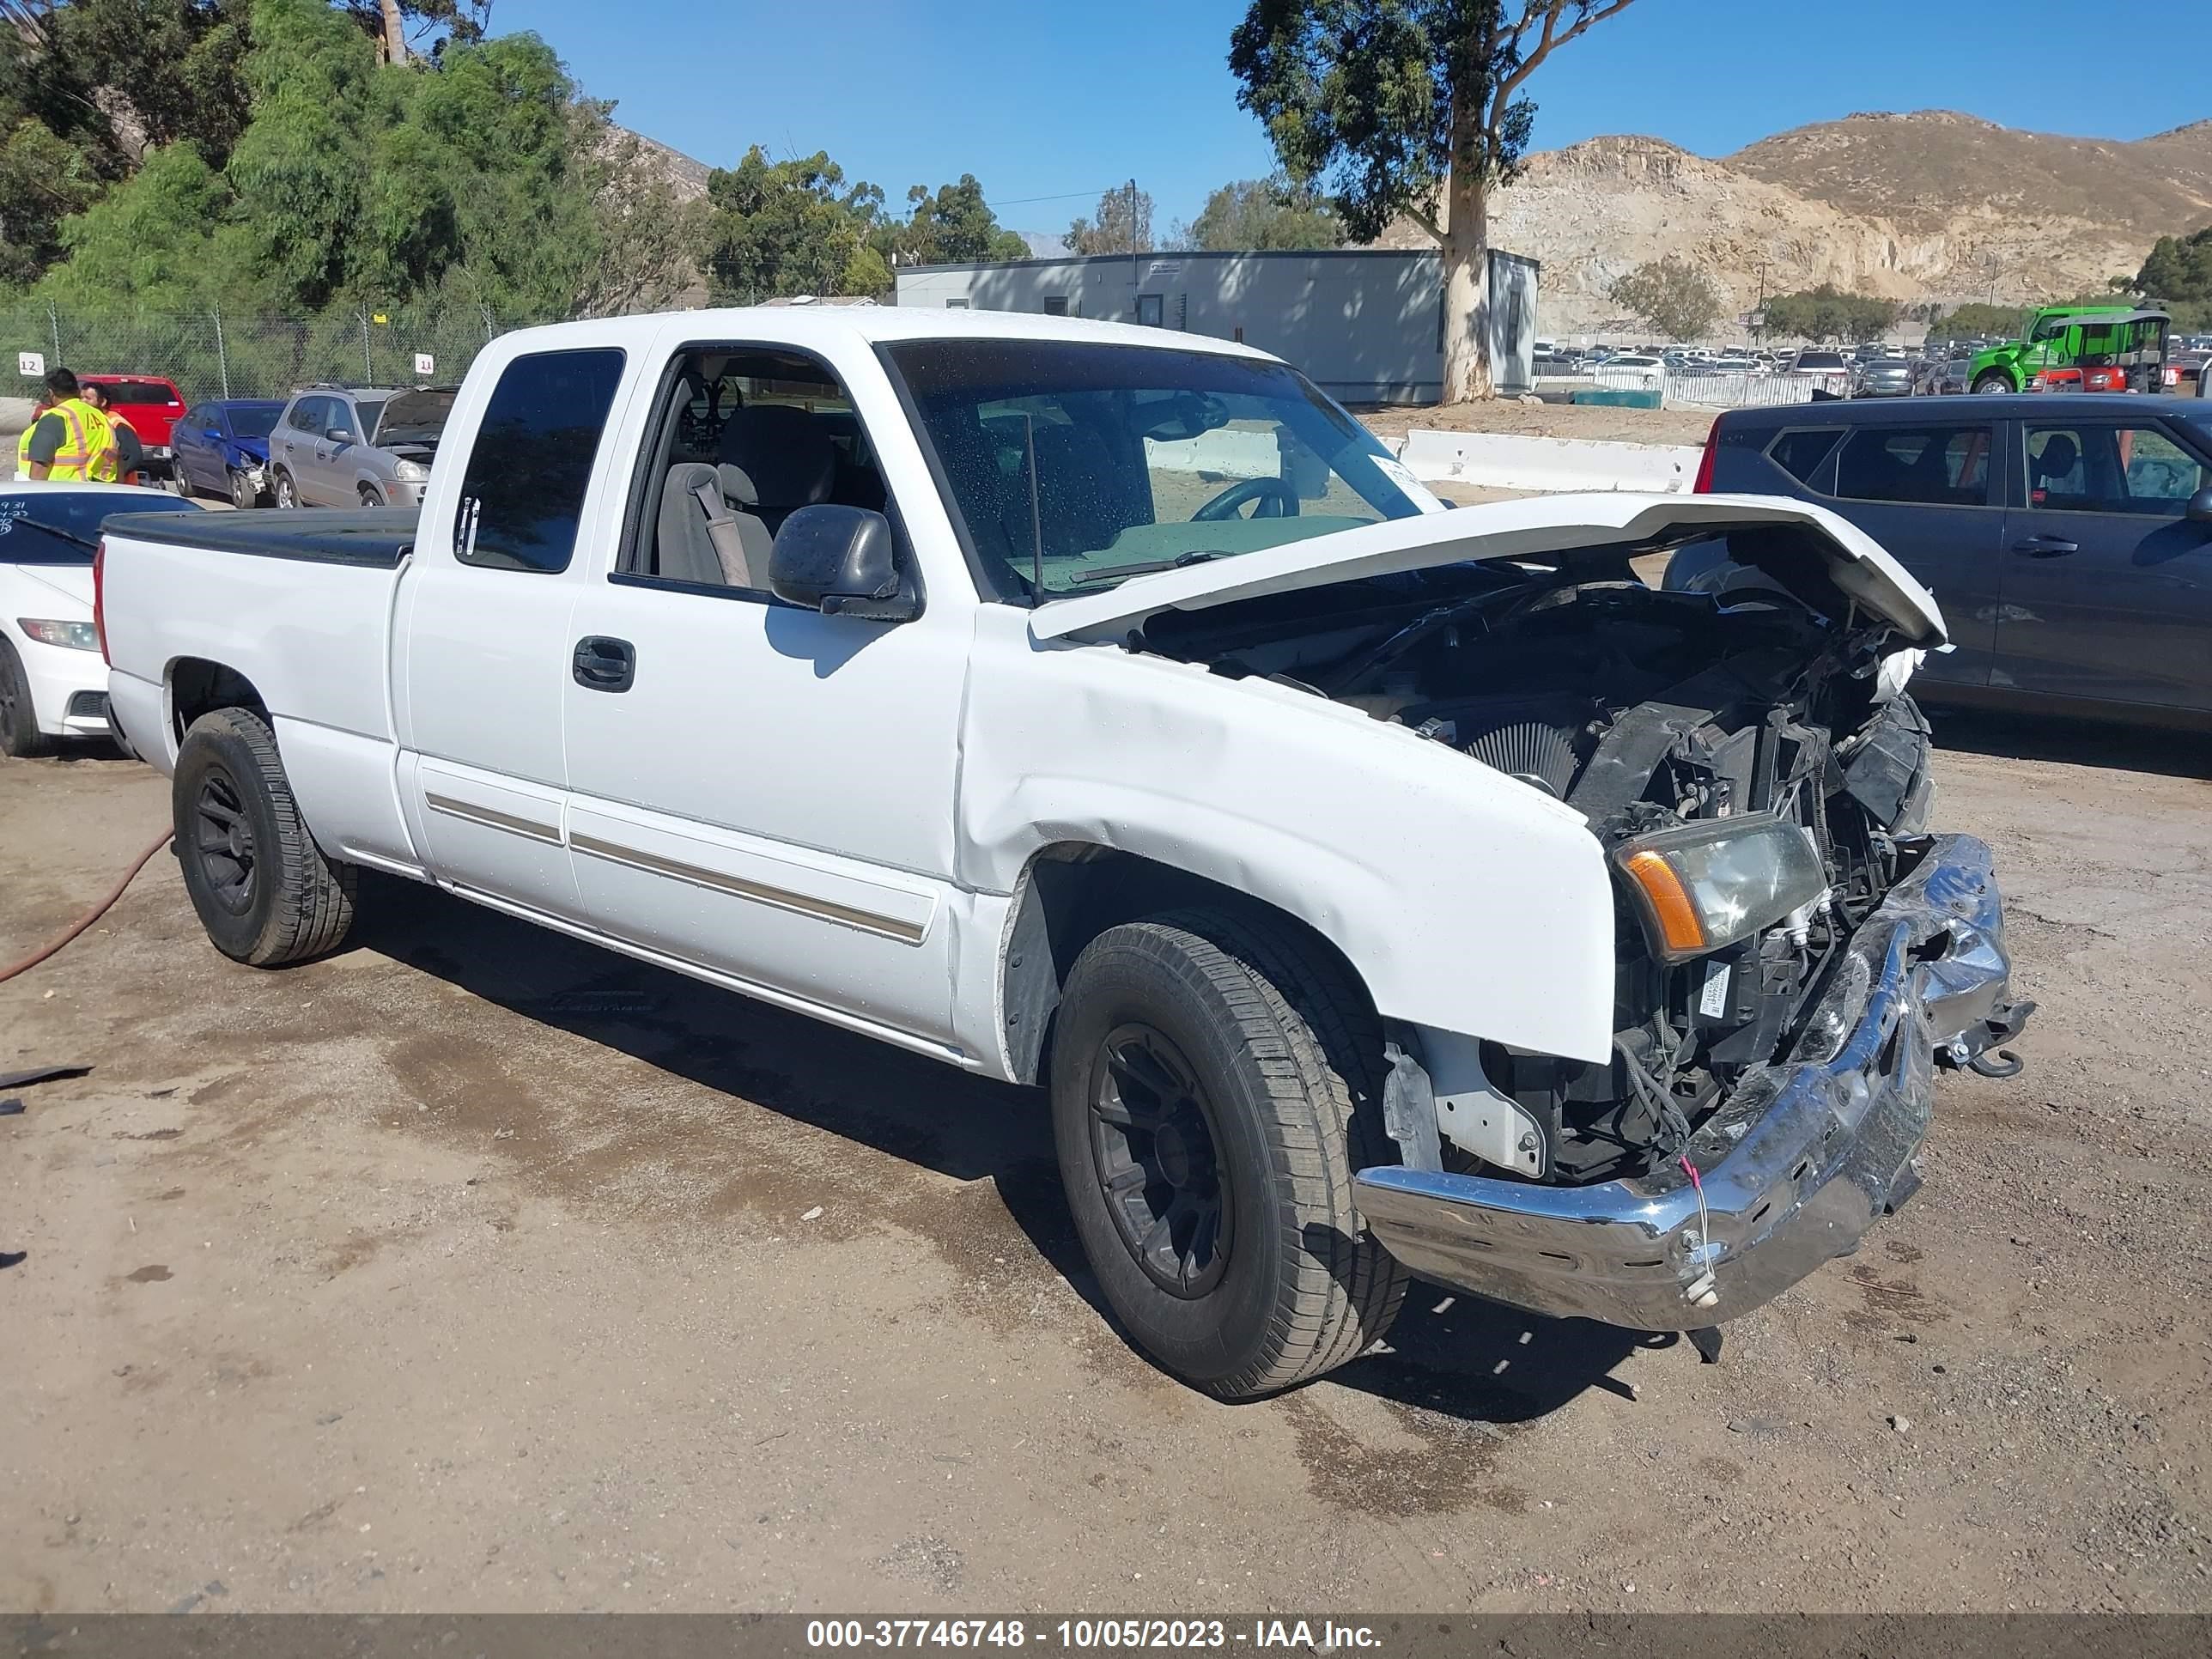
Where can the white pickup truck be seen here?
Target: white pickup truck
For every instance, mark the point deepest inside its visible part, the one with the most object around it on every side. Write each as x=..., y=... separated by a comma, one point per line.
x=1374, y=888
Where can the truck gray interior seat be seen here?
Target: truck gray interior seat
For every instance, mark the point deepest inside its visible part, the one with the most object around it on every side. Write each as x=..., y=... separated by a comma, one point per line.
x=698, y=538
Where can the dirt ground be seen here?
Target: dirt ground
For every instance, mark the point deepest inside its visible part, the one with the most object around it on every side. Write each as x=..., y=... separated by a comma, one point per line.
x=1539, y=419
x=476, y=1269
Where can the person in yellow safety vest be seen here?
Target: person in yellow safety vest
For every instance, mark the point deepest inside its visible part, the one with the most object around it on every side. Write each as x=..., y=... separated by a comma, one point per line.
x=23, y=444
x=129, y=448
x=72, y=442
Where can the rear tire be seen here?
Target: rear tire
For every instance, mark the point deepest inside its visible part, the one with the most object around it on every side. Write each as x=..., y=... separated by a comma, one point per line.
x=19, y=718
x=264, y=889
x=1213, y=1088
x=288, y=493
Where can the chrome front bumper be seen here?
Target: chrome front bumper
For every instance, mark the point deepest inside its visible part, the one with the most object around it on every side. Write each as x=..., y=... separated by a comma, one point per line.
x=1796, y=1165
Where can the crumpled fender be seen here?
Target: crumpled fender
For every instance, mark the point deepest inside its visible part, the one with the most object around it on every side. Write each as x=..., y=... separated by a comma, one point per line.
x=1466, y=901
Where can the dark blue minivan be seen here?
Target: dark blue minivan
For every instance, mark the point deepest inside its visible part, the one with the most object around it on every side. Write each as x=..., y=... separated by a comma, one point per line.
x=2068, y=537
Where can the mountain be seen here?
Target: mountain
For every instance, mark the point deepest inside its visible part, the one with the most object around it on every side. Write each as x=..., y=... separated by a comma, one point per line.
x=1932, y=205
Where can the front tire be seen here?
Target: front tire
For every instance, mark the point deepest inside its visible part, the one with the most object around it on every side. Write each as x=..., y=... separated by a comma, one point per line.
x=264, y=889
x=243, y=495
x=1213, y=1088
x=19, y=718
x=1991, y=379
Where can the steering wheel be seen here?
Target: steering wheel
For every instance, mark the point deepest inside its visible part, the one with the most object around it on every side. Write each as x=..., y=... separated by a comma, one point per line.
x=1276, y=499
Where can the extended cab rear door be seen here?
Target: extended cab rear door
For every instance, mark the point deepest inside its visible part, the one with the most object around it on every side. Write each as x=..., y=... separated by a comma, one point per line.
x=484, y=646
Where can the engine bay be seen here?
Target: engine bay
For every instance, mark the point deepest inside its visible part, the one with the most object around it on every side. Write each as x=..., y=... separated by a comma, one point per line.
x=1647, y=711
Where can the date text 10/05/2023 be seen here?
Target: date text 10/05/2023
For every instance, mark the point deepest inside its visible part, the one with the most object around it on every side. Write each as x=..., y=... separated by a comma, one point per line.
x=1321, y=1636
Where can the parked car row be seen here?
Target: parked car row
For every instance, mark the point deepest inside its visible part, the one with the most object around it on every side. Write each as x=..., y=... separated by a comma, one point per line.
x=328, y=446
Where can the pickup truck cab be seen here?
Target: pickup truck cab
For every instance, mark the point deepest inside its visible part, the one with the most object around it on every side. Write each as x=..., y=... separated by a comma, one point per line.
x=1373, y=887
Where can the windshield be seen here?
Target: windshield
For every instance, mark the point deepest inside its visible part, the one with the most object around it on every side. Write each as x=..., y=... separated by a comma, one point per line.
x=413, y=417
x=1145, y=457
x=253, y=420
x=79, y=513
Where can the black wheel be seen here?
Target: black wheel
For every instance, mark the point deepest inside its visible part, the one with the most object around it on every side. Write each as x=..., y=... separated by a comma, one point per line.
x=264, y=889
x=1213, y=1088
x=287, y=495
x=243, y=495
x=19, y=722
x=1992, y=380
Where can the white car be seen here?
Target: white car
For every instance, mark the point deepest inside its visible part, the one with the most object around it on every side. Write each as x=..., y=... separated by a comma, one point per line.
x=1102, y=708
x=53, y=684
x=1634, y=369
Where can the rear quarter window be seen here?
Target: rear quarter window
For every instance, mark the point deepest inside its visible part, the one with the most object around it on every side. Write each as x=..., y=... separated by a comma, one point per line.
x=523, y=494
x=1801, y=452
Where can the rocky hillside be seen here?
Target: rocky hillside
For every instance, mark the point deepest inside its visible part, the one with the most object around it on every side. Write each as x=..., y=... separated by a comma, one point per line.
x=1932, y=205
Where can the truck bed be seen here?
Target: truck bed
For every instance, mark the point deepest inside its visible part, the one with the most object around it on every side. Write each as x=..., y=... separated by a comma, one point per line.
x=373, y=538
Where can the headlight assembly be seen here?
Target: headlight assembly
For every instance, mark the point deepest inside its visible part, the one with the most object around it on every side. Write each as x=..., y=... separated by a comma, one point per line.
x=1704, y=886
x=410, y=471
x=69, y=635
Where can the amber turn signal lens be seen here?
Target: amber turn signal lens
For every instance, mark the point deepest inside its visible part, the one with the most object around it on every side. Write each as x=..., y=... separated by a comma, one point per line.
x=1679, y=923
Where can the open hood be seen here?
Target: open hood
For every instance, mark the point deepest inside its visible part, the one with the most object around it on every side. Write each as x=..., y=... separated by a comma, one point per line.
x=1536, y=528
x=415, y=417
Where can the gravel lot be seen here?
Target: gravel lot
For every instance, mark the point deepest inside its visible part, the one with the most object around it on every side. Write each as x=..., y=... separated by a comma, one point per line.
x=477, y=1269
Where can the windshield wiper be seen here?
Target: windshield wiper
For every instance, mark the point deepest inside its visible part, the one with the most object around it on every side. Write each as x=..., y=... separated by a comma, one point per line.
x=1196, y=555
x=85, y=542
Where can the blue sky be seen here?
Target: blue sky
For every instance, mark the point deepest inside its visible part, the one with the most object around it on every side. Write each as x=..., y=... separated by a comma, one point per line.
x=1044, y=98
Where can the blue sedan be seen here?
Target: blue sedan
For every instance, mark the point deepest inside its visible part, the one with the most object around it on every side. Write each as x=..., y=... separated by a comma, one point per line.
x=222, y=449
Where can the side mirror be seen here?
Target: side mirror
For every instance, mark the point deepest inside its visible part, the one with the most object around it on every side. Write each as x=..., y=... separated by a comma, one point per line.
x=339, y=434
x=2199, y=510
x=841, y=561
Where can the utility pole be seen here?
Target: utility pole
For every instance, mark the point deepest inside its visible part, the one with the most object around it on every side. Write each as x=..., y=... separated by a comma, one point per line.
x=1133, y=284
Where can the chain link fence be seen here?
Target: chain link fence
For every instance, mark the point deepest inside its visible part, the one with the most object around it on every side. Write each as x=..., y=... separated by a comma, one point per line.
x=212, y=354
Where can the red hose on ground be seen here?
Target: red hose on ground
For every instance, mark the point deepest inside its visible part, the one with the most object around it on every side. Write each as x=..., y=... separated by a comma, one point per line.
x=89, y=916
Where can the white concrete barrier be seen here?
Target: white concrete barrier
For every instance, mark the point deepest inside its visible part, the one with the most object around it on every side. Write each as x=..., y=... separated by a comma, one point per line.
x=1499, y=461
x=1227, y=450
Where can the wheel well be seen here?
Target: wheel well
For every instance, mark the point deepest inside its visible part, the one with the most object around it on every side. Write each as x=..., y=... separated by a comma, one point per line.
x=198, y=687
x=1072, y=892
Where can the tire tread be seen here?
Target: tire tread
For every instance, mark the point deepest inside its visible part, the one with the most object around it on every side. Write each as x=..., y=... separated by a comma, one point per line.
x=314, y=894
x=1315, y=1040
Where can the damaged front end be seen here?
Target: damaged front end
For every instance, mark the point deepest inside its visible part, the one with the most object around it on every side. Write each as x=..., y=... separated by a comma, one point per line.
x=1795, y=953
x=1791, y=1166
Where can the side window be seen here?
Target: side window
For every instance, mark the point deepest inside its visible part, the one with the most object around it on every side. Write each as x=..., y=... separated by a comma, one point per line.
x=743, y=437
x=302, y=418
x=1925, y=466
x=523, y=494
x=1799, y=452
x=2076, y=468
